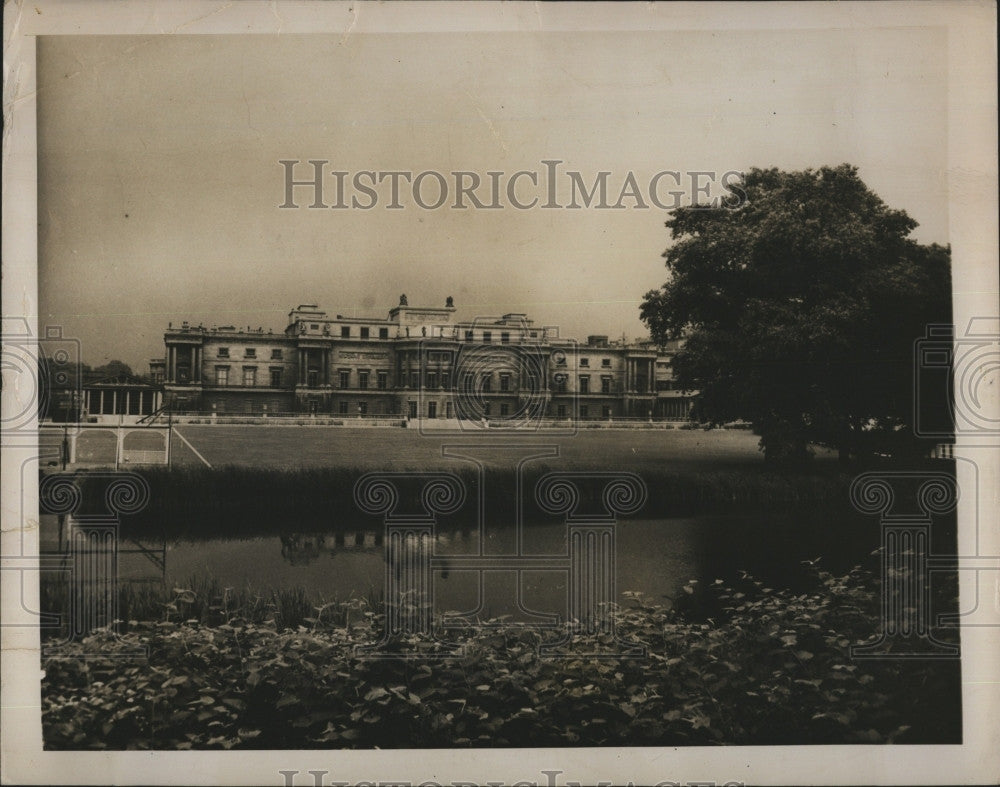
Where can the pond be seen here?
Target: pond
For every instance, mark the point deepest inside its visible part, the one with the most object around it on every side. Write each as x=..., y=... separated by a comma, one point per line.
x=656, y=557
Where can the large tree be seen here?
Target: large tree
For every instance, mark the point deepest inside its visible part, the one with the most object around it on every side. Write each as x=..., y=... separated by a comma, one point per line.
x=801, y=306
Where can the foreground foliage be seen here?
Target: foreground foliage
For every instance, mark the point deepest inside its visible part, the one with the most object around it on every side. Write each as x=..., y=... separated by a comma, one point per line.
x=768, y=667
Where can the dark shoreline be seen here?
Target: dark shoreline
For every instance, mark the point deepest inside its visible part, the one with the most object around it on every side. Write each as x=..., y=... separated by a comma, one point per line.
x=234, y=501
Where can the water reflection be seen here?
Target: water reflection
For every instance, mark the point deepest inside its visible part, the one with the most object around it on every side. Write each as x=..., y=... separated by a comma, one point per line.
x=655, y=557
x=301, y=549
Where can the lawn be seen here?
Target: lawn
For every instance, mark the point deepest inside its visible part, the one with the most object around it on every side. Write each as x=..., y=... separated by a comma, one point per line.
x=400, y=449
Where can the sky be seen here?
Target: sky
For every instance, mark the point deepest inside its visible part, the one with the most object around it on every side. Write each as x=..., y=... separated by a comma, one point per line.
x=159, y=182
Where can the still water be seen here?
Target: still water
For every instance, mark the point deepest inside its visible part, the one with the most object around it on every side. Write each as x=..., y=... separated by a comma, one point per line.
x=655, y=557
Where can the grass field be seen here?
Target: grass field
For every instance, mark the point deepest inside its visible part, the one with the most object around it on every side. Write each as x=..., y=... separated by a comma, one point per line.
x=401, y=449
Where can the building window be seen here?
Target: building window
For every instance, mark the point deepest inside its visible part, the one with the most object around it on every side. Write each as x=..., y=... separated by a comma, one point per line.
x=560, y=381
x=584, y=411
x=468, y=336
x=487, y=383
x=606, y=411
x=345, y=378
x=382, y=379
x=504, y=337
x=447, y=409
x=605, y=385
x=345, y=331
x=250, y=352
x=313, y=378
x=223, y=352
x=222, y=375
x=275, y=355
x=414, y=379
x=504, y=410
x=276, y=378
x=585, y=362
x=362, y=379
x=383, y=333
x=467, y=385
x=343, y=408
x=584, y=384
x=486, y=409
x=362, y=408
x=504, y=382
x=364, y=332
x=487, y=337
x=606, y=363
x=432, y=409
x=432, y=380
x=314, y=326
x=411, y=408
x=250, y=376
x=446, y=379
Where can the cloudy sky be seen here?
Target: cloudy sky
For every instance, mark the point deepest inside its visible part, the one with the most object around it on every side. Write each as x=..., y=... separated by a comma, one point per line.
x=159, y=180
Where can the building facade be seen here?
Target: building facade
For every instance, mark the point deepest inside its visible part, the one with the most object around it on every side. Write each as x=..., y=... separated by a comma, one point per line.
x=417, y=362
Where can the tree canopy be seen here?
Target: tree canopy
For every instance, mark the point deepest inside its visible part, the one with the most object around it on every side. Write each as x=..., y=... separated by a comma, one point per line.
x=800, y=309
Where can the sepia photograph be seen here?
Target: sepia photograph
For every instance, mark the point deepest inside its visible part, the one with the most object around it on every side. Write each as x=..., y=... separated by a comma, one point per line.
x=500, y=392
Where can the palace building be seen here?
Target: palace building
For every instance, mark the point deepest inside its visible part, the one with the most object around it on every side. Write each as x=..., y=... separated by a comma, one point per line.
x=417, y=362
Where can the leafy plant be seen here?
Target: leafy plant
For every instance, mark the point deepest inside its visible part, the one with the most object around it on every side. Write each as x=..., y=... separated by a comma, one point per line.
x=766, y=667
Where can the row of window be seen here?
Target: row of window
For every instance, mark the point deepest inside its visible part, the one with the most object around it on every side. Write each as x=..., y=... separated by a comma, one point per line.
x=432, y=410
x=249, y=378
x=364, y=378
x=364, y=332
x=435, y=380
x=277, y=354
x=248, y=352
x=432, y=380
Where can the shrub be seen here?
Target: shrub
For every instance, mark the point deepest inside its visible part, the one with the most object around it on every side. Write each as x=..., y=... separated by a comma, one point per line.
x=771, y=667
